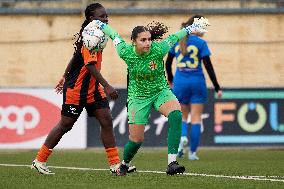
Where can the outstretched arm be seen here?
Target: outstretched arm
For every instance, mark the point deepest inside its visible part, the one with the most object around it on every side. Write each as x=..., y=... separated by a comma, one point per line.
x=119, y=43
x=198, y=25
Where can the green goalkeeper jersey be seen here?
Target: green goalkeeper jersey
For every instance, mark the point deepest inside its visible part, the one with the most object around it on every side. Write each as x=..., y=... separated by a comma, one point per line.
x=146, y=76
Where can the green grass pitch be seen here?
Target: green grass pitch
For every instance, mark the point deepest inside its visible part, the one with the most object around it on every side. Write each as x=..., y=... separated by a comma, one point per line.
x=217, y=168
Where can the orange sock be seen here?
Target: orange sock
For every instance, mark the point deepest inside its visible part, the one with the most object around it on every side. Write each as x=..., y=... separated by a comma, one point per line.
x=43, y=154
x=112, y=155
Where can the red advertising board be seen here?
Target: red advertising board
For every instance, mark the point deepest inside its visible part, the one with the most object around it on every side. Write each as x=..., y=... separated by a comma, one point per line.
x=28, y=115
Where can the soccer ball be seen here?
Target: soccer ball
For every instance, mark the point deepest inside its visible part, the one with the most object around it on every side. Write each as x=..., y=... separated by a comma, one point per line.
x=94, y=39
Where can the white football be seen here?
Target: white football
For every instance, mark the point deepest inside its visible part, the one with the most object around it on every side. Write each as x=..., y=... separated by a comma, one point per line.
x=94, y=39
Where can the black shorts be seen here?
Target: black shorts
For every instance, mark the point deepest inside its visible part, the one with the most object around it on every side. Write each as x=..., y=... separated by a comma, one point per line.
x=74, y=111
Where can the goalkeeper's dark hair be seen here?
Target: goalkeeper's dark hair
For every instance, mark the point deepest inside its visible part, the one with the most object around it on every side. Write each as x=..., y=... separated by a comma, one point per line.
x=156, y=29
x=183, y=41
x=89, y=11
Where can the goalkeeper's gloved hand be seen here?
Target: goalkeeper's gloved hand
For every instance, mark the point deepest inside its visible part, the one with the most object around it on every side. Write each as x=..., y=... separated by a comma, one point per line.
x=96, y=24
x=199, y=25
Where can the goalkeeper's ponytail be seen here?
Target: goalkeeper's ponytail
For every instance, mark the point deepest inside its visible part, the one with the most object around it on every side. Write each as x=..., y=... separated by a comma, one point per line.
x=183, y=41
x=157, y=30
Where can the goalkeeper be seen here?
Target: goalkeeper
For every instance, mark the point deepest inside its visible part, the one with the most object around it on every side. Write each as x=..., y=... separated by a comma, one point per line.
x=147, y=85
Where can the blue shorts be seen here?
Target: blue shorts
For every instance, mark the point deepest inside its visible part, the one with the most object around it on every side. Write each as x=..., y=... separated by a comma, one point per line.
x=191, y=92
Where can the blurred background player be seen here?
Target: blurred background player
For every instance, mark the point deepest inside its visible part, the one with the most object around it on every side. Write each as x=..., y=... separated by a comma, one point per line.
x=189, y=83
x=81, y=88
x=148, y=87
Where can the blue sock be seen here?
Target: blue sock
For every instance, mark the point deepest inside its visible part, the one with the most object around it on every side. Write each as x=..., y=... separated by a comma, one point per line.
x=195, y=136
x=184, y=127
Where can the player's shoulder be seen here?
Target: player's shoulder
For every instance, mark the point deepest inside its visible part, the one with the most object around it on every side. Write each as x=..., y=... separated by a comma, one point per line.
x=195, y=38
x=156, y=45
x=128, y=47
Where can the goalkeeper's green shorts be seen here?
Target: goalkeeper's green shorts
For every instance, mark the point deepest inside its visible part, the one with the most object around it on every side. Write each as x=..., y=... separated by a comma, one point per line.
x=139, y=109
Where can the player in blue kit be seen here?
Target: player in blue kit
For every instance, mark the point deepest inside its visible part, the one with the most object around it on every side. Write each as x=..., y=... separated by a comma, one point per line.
x=189, y=83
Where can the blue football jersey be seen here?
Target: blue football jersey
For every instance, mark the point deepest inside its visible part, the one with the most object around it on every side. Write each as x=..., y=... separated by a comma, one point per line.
x=197, y=48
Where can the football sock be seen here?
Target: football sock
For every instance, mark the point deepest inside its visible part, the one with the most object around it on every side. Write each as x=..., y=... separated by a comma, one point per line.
x=195, y=136
x=43, y=153
x=174, y=131
x=184, y=128
x=130, y=149
x=112, y=156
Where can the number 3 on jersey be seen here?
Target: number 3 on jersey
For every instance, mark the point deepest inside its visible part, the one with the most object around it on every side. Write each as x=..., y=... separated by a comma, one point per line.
x=192, y=54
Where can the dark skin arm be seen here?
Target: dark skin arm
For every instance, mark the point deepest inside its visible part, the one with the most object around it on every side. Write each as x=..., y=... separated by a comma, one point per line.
x=108, y=88
x=92, y=69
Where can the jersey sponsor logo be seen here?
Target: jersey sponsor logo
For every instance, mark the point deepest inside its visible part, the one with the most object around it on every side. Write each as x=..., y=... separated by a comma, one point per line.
x=153, y=65
x=73, y=110
x=148, y=77
x=24, y=117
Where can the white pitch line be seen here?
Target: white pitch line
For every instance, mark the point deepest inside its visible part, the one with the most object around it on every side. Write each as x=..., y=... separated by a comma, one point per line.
x=256, y=178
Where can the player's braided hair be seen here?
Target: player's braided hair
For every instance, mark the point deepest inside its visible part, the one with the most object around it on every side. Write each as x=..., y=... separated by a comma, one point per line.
x=183, y=41
x=89, y=11
x=156, y=29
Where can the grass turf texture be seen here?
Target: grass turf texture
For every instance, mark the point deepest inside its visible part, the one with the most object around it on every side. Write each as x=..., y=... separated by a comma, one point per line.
x=231, y=162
